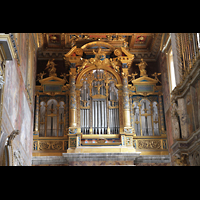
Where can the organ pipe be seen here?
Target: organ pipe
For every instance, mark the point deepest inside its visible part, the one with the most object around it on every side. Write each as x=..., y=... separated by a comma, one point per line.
x=100, y=112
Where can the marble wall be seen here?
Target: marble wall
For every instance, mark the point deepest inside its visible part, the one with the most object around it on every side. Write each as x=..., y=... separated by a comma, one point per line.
x=17, y=107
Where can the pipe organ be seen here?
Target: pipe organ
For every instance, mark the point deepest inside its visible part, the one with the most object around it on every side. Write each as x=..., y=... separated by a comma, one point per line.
x=98, y=107
x=99, y=113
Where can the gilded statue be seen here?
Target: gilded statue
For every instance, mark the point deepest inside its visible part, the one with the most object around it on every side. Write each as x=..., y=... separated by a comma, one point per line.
x=51, y=67
x=142, y=65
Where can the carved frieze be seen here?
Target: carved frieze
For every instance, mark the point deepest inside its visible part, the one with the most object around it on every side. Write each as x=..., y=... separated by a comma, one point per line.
x=149, y=144
x=50, y=145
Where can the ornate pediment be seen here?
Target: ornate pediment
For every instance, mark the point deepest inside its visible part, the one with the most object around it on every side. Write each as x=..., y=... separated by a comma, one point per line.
x=144, y=80
x=52, y=80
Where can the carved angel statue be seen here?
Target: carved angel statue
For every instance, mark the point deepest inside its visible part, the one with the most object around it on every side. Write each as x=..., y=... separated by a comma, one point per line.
x=64, y=75
x=133, y=76
x=99, y=55
x=40, y=75
x=51, y=67
x=156, y=76
x=142, y=65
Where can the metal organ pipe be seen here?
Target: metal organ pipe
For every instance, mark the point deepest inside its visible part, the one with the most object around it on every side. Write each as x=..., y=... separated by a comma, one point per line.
x=99, y=111
x=102, y=116
x=93, y=116
x=96, y=117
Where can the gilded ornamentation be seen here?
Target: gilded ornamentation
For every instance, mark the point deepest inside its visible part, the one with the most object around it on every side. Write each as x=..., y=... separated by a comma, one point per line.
x=72, y=130
x=133, y=76
x=149, y=144
x=72, y=142
x=129, y=141
x=85, y=62
x=115, y=65
x=128, y=130
x=118, y=52
x=99, y=55
x=50, y=145
x=64, y=75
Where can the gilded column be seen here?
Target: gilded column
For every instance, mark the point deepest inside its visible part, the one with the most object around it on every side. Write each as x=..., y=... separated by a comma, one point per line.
x=72, y=142
x=127, y=134
x=126, y=106
x=37, y=116
x=72, y=97
x=78, y=105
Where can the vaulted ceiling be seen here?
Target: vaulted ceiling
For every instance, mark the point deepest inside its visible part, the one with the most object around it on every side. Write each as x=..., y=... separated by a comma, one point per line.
x=142, y=45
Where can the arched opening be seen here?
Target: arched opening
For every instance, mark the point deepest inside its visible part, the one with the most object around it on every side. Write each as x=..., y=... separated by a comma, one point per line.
x=99, y=113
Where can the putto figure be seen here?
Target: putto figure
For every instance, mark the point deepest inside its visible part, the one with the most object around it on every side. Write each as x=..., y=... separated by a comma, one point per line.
x=51, y=67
